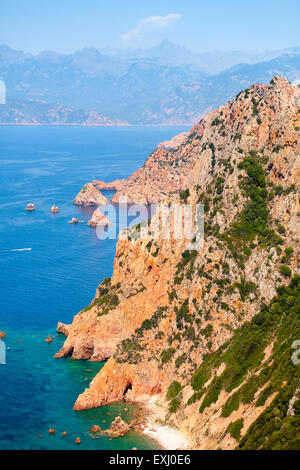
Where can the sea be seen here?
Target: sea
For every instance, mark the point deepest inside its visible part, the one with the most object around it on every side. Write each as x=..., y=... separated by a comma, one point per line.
x=58, y=277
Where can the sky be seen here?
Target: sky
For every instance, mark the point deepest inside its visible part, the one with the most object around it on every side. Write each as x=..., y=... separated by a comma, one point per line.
x=69, y=25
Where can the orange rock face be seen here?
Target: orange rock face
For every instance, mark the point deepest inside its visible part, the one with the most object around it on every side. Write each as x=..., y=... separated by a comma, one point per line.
x=162, y=173
x=113, y=186
x=62, y=328
x=167, y=306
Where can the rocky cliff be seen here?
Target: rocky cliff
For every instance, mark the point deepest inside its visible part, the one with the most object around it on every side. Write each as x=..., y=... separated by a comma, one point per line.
x=176, y=141
x=208, y=333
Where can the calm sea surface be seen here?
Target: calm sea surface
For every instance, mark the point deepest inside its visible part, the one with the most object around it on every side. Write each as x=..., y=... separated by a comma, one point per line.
x=51, y=283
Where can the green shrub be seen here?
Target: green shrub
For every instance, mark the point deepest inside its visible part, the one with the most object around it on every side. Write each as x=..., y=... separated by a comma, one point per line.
x=235, y=429
x=281, y=229
x=184, y=195
x=285, y=271
x=174, y=405
x=167, y=354
x=173, y=390
x=207, y=331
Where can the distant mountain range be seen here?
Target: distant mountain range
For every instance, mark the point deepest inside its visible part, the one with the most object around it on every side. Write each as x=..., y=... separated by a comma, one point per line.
x=166, y=84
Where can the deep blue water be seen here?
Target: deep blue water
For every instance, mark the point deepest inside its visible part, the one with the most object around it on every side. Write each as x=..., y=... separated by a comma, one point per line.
x=51, y=283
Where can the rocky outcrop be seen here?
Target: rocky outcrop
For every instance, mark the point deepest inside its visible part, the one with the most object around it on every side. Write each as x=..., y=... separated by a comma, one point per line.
x=175, y=142
x=62, y=328
x=116, y=185
x=54, y=209
x=95, y=428
x=75, y=221
x=98, y=219
x=168, y=309
x=118, y=428
x=90, y=196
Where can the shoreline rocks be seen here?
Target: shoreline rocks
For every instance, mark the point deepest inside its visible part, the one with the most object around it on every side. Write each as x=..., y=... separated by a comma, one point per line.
x=118, y=428
x=95, y=428
x=98, y=219
x=62, y=328
x=90, y=196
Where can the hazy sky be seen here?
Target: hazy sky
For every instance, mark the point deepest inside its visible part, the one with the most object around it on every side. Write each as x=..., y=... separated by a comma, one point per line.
x=67, y=25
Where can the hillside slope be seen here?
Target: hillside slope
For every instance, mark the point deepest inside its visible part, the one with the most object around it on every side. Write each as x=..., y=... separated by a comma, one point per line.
x=207, y=334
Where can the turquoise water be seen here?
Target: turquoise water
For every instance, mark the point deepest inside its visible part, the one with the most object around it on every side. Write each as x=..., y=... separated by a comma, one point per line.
x=51, y=283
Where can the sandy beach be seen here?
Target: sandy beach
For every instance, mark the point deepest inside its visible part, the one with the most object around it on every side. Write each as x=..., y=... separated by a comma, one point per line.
x=168, y=438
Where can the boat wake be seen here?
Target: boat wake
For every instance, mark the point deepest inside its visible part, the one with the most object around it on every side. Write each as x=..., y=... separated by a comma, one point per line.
x=16, y=249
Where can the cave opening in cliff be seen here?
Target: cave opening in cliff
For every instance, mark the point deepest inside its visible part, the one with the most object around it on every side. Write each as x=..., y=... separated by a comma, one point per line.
x=128, y=387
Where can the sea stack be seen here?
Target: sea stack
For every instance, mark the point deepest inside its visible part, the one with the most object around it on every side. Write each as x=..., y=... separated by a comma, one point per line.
x=118, y=428
x=90, y=196
x=73, y=221
x=54, y=209
x=30, y=207
x=99, y=219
